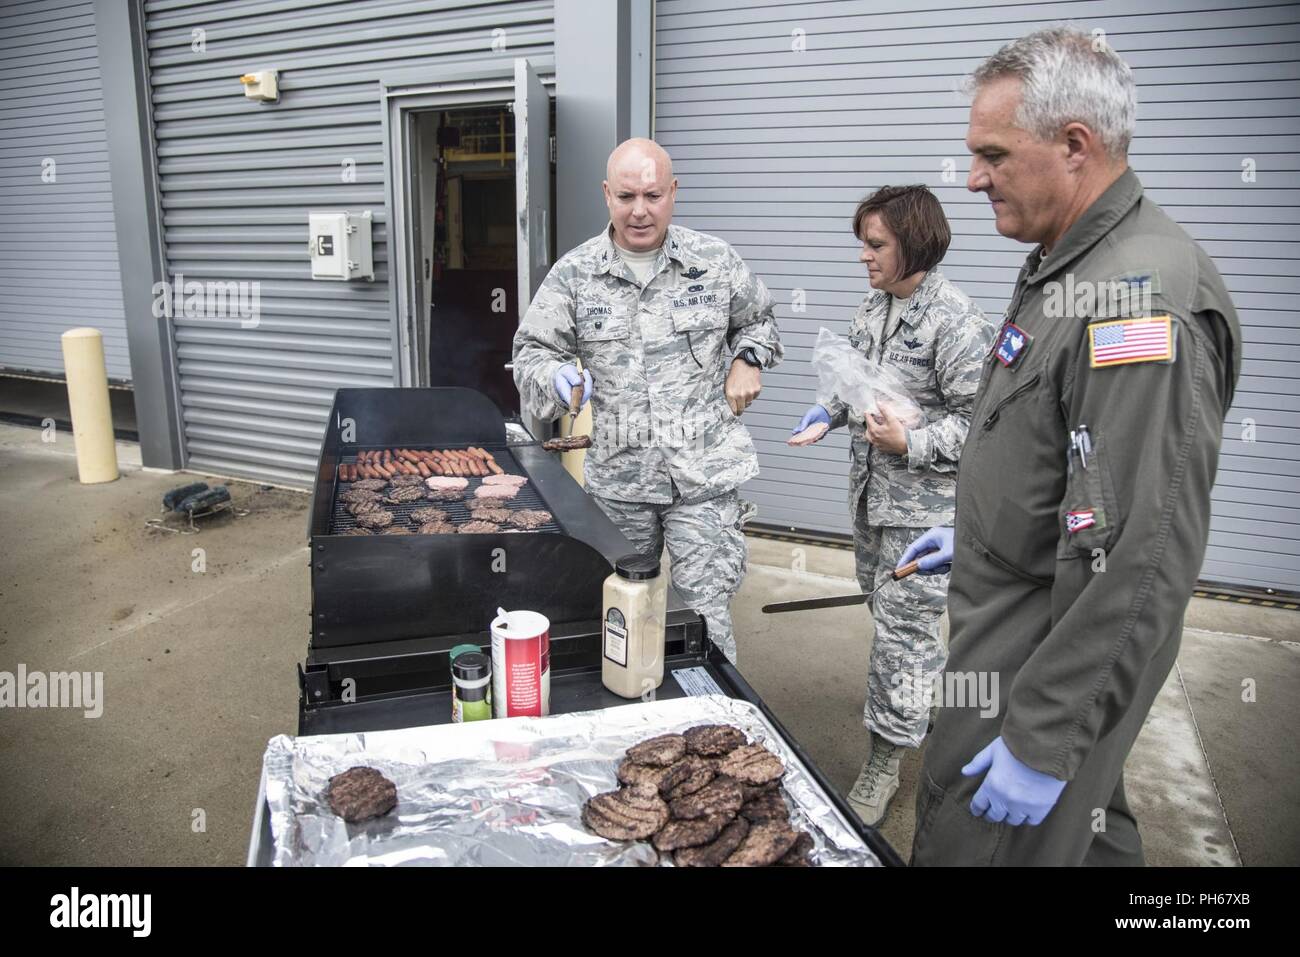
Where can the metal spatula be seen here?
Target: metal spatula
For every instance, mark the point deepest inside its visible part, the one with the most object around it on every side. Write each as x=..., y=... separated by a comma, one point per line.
x=836, y=601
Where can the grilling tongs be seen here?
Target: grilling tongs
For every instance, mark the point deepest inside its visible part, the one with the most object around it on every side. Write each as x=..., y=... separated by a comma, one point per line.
x=835, y=601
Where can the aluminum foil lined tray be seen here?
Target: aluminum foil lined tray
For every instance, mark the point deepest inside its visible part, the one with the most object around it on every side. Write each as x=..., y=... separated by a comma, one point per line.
x=507, y=793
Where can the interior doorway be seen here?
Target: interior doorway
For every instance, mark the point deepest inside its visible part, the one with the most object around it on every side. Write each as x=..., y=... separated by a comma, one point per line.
x=470, y=249
x=472, y=188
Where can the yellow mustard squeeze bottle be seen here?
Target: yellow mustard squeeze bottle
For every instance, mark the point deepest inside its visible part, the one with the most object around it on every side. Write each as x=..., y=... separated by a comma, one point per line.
x=632, y=632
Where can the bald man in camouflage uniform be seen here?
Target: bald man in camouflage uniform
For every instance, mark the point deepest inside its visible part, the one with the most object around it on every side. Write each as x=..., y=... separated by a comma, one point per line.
x=673, y=329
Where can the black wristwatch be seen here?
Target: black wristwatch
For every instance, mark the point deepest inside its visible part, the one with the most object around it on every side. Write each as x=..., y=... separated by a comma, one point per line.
x=750, y=357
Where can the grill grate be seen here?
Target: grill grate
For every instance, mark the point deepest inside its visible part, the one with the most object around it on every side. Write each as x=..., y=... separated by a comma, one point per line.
x=457, y=512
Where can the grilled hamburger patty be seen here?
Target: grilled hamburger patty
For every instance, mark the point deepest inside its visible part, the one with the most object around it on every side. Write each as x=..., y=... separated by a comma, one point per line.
x=720, y=796
x=445, y=494
x=404, y=493
x=368, y=505
x=800, y=855
x=378, y=519
x=751, y=791
x=369, y=485
x=765, y=844
x=567, y=443
x=686, y=777
x=361, y=793
x=355, y=495
x=700, y=830
x=398, y=481
x=530, y=518
x=766, y=807
x=718, y=850
x=629, y=772
x=712, y=740
x=628, y=814
x=436, y=528
x=489, y=513
x=752, y=764
x=662, y=751
x=476, y=526
x=420, y=516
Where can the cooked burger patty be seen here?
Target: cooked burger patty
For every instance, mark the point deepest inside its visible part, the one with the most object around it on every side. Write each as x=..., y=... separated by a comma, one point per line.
x=628, y=814
x=701, y=830
x=629, y=772
x=420, y=516
x=369, y=485
x=752, y=764
x=530, y=517
x=765, y=844
x=751, y=791
x=375, y=519
x=567, y=443
x=401, y=480
x=662, y=751
x=686, y=777
x=712, y=740
x=354, y=495
x=445, y=494
x=477, y=526
x=766, y=807
x=359, y=794
x=800, y=855
x=436, y=528
x=360, y=508
x=486, y=512
x=714, y=853
x=720, y=796
x=404, y=493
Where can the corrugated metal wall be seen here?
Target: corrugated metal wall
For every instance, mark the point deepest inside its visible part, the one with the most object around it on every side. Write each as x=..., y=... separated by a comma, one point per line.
x=58, y=248
x=774, y=147
x=238, y=179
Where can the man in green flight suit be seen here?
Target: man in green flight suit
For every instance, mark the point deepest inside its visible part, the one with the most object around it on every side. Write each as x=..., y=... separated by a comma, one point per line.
x=1083, y=494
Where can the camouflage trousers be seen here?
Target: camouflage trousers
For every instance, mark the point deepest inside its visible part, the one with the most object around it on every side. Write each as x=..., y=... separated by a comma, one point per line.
x=707, y=548
x=908, y=653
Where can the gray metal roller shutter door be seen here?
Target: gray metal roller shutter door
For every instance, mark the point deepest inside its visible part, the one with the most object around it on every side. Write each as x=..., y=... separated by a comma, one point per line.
x=238, y=178
x=774, y=147
x=58, y=248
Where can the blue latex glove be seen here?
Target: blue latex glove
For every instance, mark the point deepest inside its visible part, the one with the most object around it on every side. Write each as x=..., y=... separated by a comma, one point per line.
x=812, y=417
x=1011, y=791
x=566, y=377
x=935, y=549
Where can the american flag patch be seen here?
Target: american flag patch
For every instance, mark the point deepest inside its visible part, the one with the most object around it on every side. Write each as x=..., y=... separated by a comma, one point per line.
x=1078, y=521
x=1148, y=339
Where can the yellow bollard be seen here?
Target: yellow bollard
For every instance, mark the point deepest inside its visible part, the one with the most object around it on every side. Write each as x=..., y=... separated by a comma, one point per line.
x=92, y=415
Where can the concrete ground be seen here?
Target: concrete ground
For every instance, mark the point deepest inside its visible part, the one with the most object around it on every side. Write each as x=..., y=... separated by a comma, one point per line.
x=197, y=637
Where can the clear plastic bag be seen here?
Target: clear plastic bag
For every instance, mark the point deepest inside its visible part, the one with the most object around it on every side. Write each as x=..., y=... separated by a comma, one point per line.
x=845, y=375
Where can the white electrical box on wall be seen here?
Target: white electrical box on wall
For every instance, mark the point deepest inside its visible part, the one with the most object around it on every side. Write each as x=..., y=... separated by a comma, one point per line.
x=341, y=245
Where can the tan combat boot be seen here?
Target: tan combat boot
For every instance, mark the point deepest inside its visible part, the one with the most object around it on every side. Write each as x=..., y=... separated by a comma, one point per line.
x=877, y=783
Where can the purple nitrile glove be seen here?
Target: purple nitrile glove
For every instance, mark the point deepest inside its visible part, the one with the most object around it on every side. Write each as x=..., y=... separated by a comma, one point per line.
x=1011, y=792
x=810, y=418
x=934, y=549
x=566, y=377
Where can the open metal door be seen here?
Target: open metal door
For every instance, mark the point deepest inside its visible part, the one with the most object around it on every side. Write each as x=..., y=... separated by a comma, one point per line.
x=532, y=109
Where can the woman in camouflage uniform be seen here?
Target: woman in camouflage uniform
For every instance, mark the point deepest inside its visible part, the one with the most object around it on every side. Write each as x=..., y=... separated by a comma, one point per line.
x=903, y=474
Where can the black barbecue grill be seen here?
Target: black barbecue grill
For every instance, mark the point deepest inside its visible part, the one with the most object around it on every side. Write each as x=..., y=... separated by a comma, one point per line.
x=386, y=609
